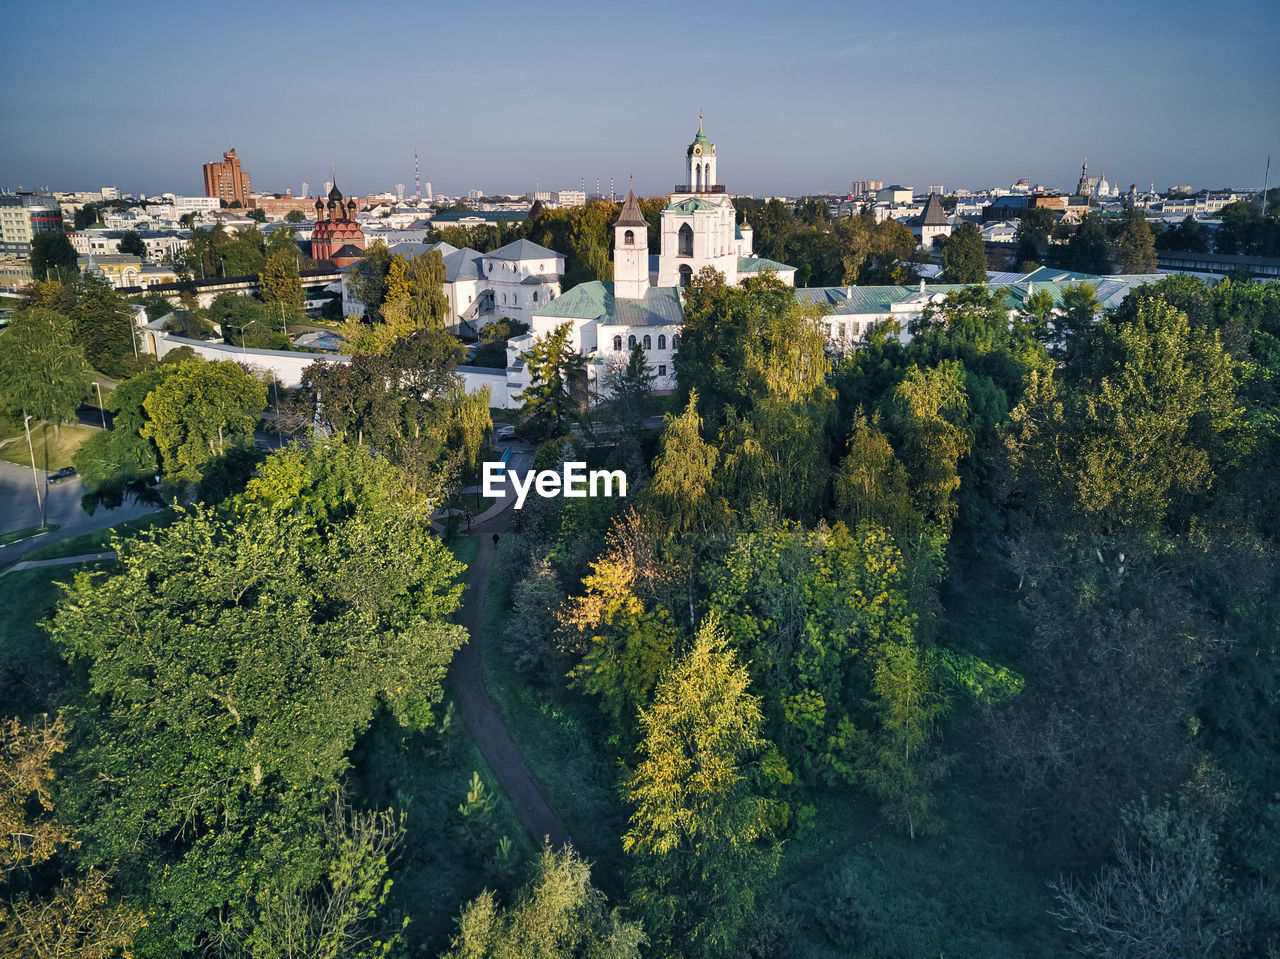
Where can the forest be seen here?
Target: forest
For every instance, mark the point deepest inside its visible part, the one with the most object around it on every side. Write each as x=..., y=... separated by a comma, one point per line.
x=960, y=643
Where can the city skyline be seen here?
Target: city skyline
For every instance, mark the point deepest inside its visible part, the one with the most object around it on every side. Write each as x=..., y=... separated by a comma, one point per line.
x=548, y=96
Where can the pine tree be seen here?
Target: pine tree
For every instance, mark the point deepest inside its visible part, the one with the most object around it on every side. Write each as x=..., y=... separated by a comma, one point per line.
x=557, y=373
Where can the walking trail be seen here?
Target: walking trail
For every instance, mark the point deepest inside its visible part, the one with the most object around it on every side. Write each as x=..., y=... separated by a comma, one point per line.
x=480, y=713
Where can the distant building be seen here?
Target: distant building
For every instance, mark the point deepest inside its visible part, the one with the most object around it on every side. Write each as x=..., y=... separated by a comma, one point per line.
x=22, y=216
x=227, y=181
x=894, y=194
x=278, y=207
x=337, y=236
x=932, y=223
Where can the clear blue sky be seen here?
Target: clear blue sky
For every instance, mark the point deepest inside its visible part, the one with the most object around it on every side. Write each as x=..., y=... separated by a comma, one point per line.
x=799, y=97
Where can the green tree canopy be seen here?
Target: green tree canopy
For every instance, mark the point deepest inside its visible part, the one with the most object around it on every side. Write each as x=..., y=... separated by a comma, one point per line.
x=964, y=257
x=43, y=372
x=1134, y=248
x=700, y=827
x=199, y=412
x=53, y=257
x=230, y=666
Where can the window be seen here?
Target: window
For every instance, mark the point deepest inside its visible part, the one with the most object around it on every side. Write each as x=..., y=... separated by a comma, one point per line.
x=662, y=341
x=617, y=344
x=515, y=299
x=684, y=242
x=629, y=238
x=631, y=342
x=491, y=267
x=535, y=296
x=504, y=299
x=648, y=343
x=686, y=275
x=662, y=369
x=675, y=342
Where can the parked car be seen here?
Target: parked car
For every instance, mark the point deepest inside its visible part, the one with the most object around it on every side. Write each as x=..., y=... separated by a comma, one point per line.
x=61, y=474
x=505, y=433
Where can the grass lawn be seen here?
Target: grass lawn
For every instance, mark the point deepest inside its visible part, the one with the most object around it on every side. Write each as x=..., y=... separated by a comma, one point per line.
x=560, y=742
x=53, y=449
x=17, y=534
x=33, y=678
x=101, y=540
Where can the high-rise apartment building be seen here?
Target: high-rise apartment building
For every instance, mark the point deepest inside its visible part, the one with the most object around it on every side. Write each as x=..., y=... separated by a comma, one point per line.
x=227, y=181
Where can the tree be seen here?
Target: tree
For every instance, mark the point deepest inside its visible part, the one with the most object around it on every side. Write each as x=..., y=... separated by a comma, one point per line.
x=1034, y=229
x=85, y=217
x=53, y=255
x=1088, y=250
x=295, y=216
x=628, y=388
x=198, y=412
x=557, y=375
x=279, y=284
x=700, y=827
x=685, y=487
x=76, y=919
x=249, y=322
x=1166, y=897
x=131, y=243
x=964, y=257
x=558, y=915
x=258, y=216
x=1134, y=249
x=231, y=664
x=104, y=323
x=42, y=371
x=929, y=416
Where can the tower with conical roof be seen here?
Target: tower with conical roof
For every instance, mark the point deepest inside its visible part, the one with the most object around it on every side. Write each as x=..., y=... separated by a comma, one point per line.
x=630, y=251
x=700, y=163
x=1082, y=188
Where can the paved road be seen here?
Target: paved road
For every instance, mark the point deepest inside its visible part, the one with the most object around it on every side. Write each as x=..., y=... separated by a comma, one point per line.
x=480, y=713
x=18, y=510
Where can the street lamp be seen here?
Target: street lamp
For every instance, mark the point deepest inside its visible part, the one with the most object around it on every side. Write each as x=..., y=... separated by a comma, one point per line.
x=102, y=410
x=35, y=481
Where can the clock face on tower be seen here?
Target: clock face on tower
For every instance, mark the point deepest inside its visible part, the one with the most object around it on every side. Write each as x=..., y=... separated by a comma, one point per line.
x=697, y=151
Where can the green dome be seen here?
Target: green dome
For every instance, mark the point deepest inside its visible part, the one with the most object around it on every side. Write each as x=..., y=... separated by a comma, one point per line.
x=708, y=148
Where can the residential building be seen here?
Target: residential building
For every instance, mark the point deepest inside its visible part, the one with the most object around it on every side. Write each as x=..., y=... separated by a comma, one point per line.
x=22, y=216
x=226, y=181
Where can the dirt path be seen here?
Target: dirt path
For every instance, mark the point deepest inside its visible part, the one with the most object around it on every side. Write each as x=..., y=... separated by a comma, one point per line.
x=480, y=713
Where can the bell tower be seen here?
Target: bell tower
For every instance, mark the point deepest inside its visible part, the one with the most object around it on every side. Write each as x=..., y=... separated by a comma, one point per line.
x=630, y=251
x=700, y=163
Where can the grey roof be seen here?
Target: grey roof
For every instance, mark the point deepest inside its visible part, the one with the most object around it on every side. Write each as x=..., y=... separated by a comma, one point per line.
x=462, y=264
x=934, y=214
x=538, y=279
x=631, y=215
x=661, y=306
x=493, y=216
x=523, y=250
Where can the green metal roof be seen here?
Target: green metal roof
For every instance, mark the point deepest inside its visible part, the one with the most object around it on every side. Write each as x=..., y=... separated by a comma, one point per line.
x=757, y=264
x=661, y=306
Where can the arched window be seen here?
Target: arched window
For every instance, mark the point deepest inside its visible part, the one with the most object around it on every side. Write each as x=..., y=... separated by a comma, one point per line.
x=629, y=238
x=491, y=266
x=535, y=296
x=504, y=299
x=697, y=177
x=684, y=243
x=648, y=343
x=686, y=274
x=631, y=342
x=515, y=299
x=662, y=341
x=617, y=344
x=675, y=342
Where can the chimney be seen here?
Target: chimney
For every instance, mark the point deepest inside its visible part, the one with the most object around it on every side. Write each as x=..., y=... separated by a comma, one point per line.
x=922, y=286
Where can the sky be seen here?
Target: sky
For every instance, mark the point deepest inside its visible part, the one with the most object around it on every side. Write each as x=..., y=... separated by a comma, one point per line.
x=799, y=97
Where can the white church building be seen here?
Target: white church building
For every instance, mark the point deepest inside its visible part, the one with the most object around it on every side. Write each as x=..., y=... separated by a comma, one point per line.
x=643, y=305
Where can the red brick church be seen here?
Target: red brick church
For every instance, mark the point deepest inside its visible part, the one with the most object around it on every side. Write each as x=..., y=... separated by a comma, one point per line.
x=337, y=236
